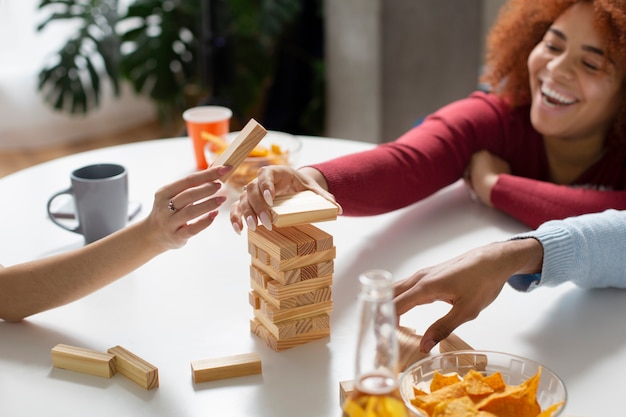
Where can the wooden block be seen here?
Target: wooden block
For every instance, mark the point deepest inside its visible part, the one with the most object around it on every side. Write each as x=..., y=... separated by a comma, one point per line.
x=240, y=148
x=292, y=328
x=302, y=208
x=276, y=315
x=408, y=347
x=291, y=276
x=257, y=328
x=82, y=360
x=305, y=244
x=204, y=370
x=135, y=368
x=453, y=343
x=346, y=388
x=277, y=290
x=304, y=260
x=254, y=299
x=323, y=240
x=260, y=278
x=312, y=297
x=275, y=244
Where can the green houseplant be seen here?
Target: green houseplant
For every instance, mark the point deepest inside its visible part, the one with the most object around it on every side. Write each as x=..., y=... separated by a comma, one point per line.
x=176, y=52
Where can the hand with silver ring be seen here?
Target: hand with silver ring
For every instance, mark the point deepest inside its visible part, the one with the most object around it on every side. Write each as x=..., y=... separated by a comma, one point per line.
x=185, y=207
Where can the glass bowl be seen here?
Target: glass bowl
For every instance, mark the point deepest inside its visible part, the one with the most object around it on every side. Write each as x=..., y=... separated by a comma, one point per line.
x=514, y=370
x=289, y=147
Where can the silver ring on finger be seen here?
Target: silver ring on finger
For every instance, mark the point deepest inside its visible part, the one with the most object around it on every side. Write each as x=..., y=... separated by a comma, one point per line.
x=171, y=206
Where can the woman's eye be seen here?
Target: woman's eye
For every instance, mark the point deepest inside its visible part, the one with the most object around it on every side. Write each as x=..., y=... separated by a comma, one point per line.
x=591, y=65
x=552, y=47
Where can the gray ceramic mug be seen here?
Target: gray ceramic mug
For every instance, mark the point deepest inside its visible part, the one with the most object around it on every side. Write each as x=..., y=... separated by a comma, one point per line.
x=100, y=194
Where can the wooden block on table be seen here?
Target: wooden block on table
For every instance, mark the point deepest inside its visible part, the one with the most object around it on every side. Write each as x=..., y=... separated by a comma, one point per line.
x=302, y=208
x=135, y=368
x=257, y=328
x=240, y=148
x=346, y=388
x=408, y=347
x=204, y=370
x=292, y=328
x=454, y=343
x=82, y=360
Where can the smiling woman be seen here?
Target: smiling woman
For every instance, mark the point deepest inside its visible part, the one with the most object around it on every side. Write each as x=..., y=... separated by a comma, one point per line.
x=546, y=142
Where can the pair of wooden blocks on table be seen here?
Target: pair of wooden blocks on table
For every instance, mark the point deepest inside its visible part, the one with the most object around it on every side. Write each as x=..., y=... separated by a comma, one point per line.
x=291, y=272
x=119, y=360
x=116, y=359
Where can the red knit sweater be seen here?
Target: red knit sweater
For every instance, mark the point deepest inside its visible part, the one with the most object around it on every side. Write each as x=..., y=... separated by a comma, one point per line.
x=436, y=153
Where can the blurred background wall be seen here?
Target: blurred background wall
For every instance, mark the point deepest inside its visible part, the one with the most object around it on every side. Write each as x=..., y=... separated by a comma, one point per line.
x=386, y=63
x=392, y=62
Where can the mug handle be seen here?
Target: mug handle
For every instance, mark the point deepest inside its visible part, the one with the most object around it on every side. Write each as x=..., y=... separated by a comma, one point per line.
x=76, y=229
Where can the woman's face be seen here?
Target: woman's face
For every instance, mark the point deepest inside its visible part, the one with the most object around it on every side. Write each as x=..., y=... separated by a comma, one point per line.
x=575, y=86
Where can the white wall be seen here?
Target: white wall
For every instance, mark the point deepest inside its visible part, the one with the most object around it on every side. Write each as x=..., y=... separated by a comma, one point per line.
x=25, y=120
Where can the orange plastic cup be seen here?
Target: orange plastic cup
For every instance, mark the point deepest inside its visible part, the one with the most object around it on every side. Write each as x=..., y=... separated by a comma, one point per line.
x=212, y=119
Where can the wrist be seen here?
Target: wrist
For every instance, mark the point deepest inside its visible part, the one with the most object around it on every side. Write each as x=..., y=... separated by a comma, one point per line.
x=526, y=254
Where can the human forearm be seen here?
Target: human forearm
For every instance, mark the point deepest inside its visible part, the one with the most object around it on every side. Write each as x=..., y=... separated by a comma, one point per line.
x=535, y=202
x=50, y=282
x=43, y=284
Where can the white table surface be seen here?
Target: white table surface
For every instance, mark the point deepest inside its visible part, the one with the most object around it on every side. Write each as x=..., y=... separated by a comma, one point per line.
x=192, y=303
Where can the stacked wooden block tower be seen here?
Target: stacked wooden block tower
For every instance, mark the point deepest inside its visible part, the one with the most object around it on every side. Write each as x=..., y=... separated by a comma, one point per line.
x=291, y=272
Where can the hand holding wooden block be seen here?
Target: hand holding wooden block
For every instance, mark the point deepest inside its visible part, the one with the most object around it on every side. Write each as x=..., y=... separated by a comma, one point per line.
x=302, y=208
x=240, y=148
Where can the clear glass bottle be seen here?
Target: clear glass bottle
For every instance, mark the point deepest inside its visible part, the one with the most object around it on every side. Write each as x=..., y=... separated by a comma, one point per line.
x=375, y=385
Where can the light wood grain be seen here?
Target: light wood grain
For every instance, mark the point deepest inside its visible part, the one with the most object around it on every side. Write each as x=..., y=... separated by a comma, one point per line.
x=205, y=370
x=240, y=148
x=83, y=360
x=135, y=368
x=302, y=208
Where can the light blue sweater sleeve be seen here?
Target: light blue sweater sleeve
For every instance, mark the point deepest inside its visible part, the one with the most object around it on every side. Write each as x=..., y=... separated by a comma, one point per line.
x=588, y=250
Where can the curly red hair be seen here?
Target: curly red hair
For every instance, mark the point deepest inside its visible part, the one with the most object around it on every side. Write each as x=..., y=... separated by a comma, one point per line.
x=522, y=24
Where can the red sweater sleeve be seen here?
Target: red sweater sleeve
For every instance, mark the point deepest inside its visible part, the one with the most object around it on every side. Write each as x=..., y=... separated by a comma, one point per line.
x=535, y=202
x=435, y=154
x=422, y=161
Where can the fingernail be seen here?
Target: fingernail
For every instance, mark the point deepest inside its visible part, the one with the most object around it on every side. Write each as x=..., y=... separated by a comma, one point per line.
x=268, y=197
x=236, y=228
x=219, y=200
x=213, y=215
x=251, y=223
x=225, y=169
x=265, y=220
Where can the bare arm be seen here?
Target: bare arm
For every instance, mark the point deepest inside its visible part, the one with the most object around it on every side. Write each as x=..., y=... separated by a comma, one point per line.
x=469, y=282
x=42, y=284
